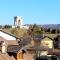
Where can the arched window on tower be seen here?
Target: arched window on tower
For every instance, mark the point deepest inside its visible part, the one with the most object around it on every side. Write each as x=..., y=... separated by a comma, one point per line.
x=19, y=22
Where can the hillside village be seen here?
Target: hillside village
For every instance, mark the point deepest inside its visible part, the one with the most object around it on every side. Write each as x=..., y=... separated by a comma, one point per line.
x=20, y=42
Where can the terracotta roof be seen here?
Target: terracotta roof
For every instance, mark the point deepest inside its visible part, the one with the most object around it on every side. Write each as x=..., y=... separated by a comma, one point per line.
x=5, y=57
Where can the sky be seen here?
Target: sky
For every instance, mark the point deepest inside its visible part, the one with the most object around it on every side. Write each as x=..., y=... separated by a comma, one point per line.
x=32, y=11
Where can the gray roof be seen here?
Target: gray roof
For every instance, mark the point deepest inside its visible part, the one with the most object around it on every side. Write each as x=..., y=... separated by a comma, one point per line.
x=24, y=41
x=36, y=48
x=40, y=37
x=13, y=48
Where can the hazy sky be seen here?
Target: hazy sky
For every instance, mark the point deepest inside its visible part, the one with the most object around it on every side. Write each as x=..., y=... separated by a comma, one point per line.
x=33, y=11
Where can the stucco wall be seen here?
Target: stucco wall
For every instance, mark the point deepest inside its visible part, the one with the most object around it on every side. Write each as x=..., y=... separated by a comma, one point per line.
x=47, y=43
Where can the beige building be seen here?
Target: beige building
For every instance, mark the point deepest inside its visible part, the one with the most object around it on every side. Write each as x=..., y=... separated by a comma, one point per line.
x=42, y=42
x=47, y=42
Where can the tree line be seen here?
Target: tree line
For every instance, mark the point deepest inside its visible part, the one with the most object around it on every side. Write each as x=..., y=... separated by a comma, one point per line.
x=35, y=29
x=5, y=26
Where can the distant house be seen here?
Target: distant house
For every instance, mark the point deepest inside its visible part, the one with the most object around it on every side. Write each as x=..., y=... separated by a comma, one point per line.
x=43, y=44
x=47, y=42
x=42, y=41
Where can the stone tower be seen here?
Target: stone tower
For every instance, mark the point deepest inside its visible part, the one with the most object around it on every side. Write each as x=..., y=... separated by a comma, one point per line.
x=18, y=21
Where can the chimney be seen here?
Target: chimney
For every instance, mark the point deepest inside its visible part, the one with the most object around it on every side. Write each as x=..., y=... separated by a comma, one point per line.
x=4, y=47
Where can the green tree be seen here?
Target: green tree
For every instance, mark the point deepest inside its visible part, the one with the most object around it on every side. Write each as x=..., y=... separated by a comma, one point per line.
x=14, y=31
x=53, y=31
x=18, y=32
x=34, y=30
x=7, y=26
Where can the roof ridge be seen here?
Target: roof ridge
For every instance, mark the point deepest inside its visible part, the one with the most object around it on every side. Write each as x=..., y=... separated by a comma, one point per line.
x=10, y=34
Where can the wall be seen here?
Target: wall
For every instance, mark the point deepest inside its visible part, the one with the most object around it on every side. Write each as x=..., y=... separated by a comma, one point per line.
x=47, y=42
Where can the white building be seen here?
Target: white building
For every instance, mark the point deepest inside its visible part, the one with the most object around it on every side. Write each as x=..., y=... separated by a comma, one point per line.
x=18, y=21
